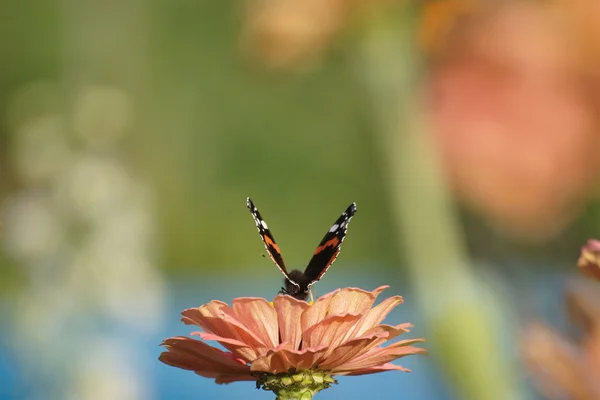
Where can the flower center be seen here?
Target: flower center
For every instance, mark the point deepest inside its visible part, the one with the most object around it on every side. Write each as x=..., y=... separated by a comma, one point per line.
x=295, y=385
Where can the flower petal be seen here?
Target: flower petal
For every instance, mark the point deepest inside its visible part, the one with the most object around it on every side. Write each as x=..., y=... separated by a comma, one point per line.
x=186, y=353
x=591, y=347
x=209, y=316
x=356, y=347
x=340, y=355
x=340, y=302
x=381, y=355
x=282, y=360
x=555, y=363
x=392, y=331
x=214, y=308
x=376, y=315
x=259, y=317
x=224, y=325
x=329, y=332
x=289, y=312
x=317, y=311
x=374, y=370
x=583, y=304
x=353, y=301
x=225, y=378
x=238, y=348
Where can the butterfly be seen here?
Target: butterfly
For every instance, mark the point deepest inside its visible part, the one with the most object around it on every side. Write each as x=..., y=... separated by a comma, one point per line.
x=298, y=283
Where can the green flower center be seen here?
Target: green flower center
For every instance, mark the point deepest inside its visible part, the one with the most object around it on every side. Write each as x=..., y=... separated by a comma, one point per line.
x=296, y=385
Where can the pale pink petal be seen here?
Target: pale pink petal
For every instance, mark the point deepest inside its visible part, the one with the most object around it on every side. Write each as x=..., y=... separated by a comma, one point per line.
x=373, y=338
x=381, y=355
x=374, y=370
x=289, y=311
x=224, y=325
x=340, y=302
x=241, y=349
x=392, y=331
x=556, y=364
x=217, y=338
x=328, y=332
x=194, y=355
x=247, y=335
x=284, y=360
x=353, y=301
x=259, y=317
x=284, y=345
x=215, y=308
x=225, y=378
x=208, y=315
x=376, y=315
x=342, y=354
x=317, y=311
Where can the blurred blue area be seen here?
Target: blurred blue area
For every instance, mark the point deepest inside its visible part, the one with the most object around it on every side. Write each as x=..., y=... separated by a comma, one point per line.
x=164, y=382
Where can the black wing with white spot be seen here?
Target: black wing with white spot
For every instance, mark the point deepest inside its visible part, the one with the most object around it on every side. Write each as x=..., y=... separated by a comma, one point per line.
x=330, y=247
x=268, y=239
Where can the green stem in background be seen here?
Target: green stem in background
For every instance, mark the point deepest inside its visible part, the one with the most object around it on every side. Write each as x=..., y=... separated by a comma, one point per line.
x=462, y=318
x=299, y=385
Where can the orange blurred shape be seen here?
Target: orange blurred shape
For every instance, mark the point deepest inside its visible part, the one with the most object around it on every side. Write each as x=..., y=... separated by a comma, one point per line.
x=582, y=17
x=515, y=118
x=561, y=367
x=290, y=33
x=439, y=18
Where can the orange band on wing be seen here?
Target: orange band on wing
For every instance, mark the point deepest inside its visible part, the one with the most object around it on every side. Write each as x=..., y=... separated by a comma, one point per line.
x=331, y=242
x=271, y=243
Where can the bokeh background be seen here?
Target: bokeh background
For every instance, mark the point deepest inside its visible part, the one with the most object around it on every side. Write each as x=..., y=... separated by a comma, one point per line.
x=131, y=133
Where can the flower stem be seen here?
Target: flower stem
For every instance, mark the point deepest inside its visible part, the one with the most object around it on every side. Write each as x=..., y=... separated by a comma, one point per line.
x=295, y=395
x=296, y=385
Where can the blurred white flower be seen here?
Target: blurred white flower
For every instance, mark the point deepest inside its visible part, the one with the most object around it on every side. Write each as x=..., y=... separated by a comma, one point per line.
x=108, y=370
x=41, y=149
x=32, y=231
x=102, y=115
x=83, y=228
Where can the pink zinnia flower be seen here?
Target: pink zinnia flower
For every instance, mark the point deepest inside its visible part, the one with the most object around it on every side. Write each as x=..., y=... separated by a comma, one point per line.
x=505, y=58
x=289, y=346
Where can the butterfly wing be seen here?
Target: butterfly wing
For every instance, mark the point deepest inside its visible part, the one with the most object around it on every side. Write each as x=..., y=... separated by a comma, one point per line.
x=330, y=247
x=268, y=240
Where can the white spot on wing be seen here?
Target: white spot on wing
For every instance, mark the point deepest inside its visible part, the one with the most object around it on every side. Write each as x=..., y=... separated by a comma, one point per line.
x=264, y=224
x=334, y=228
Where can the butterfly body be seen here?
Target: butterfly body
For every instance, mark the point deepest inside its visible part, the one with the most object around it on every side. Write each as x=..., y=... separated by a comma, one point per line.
x=298, y=283
x=301, y=291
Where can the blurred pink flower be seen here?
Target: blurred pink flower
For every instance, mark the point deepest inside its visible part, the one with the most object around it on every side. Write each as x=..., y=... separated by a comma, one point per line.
x=562, y=367
x=589, y=259
x=515, y=113
x=340, y=334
